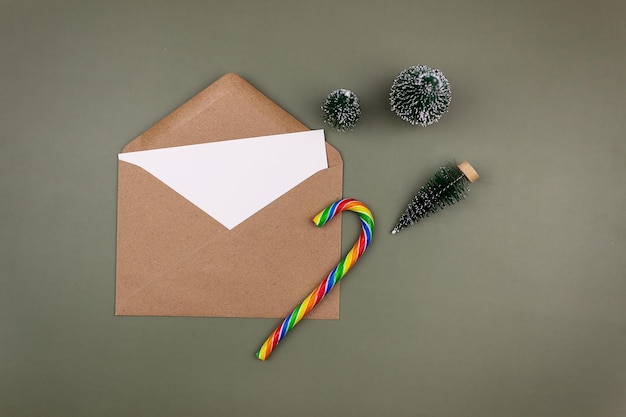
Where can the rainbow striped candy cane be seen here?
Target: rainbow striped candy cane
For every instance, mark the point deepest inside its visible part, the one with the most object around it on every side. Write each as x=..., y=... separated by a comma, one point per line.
x=318, y=294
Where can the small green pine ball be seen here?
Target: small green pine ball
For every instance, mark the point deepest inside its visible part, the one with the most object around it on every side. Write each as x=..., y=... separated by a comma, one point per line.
x=420, y=95
x=341, y=109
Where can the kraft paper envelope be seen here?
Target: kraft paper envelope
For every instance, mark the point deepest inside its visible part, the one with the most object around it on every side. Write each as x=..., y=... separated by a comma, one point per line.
x=174, y=259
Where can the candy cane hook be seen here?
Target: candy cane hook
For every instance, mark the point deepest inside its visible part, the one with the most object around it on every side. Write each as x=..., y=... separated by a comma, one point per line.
x=318, y=294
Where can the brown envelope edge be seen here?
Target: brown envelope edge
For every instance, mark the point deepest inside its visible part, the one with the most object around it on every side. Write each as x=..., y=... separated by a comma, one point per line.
x=230, y=108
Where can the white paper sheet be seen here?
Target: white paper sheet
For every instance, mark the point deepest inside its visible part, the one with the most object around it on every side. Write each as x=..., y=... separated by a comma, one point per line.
x=231, y=180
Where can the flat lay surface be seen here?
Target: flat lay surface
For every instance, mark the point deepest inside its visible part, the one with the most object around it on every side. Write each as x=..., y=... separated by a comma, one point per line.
x=511, y=302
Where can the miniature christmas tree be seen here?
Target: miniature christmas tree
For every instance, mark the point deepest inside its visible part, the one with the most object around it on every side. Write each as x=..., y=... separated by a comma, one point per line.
x=420, y=95
x=341, y=110
x=448, y=186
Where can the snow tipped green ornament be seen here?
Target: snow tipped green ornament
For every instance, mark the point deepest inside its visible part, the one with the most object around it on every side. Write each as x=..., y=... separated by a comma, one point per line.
x=341, y=109
x=420, y=95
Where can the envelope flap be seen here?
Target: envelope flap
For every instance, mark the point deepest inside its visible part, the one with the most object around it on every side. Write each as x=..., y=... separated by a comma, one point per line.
x=215, y=114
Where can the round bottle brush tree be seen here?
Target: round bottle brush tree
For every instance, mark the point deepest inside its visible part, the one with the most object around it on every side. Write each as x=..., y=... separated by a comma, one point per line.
x=341, y=109
x=420, y=95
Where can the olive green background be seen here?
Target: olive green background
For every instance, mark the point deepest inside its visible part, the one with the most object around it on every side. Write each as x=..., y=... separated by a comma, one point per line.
x=510, y=303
